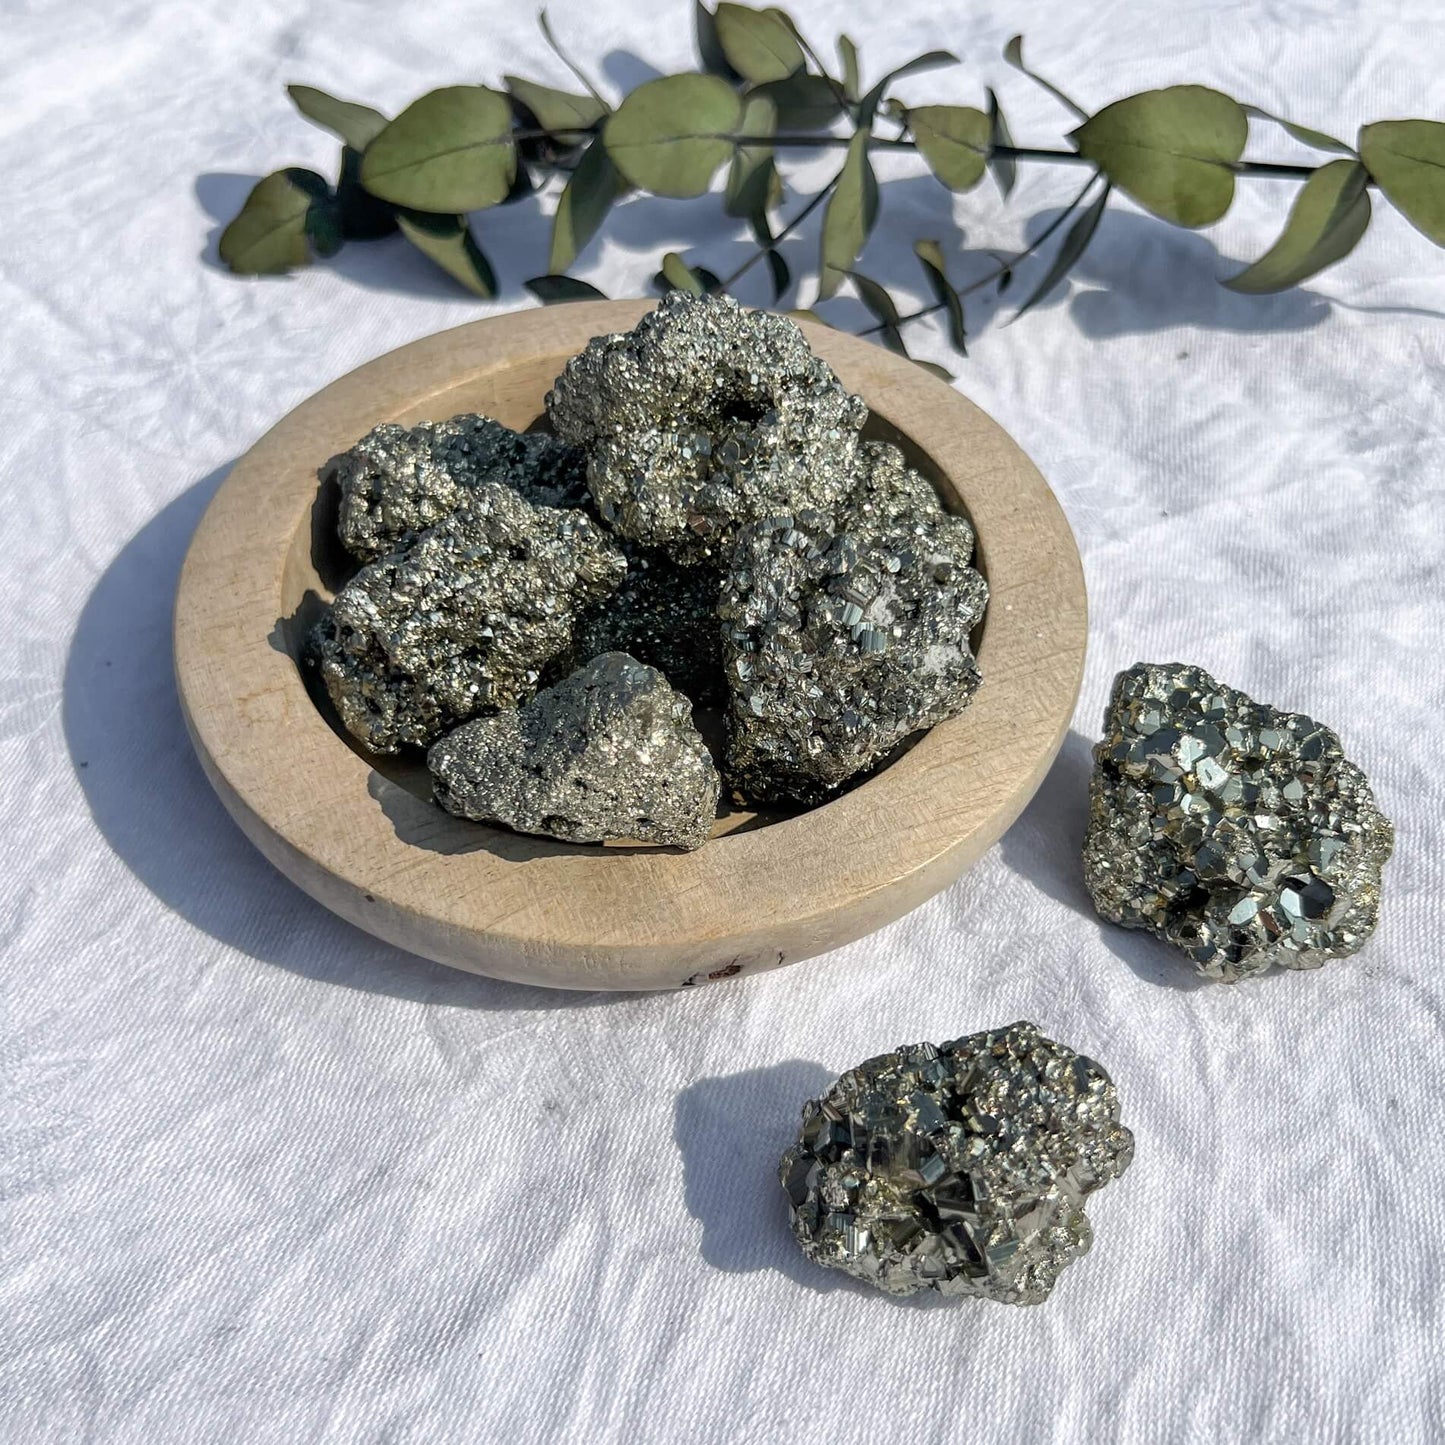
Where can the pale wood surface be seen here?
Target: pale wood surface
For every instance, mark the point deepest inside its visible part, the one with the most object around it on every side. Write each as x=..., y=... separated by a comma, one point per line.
x=365, y=844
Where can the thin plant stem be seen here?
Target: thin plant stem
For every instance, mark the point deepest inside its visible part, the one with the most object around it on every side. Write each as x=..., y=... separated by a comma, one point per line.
x=1004, y=266
x=787, y=230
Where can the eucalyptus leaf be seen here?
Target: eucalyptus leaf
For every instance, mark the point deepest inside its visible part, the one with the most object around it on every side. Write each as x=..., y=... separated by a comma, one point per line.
x=1330, y=214
x=849, y=216
x=852, y=81
x=556, y=110
x=670, y=136
x=892, y=338
x=753, y=185
x=356, y=124
x=779, y=273
x=271, y=235
x=362, y=216
x=954, y=141
x=1003, y=167
x=758, y=44
x=941, y=372
x=1407, y=160
x=709, y=47
x=876, y=298
x=589, y=194
x=448, y=241
x=930, y=60
x=324, y=229
x=1317, y=139
x=553, y=289
x=679, y=275
x=803, y=101
x=452, y=150
x=1013, y=52
x=930, y=254
x=1075, y=243
x=1172, y=150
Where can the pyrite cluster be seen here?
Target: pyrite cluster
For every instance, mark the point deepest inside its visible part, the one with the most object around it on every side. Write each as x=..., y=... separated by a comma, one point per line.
x=1237, y=832
x=960, y=1167
x=704, y=525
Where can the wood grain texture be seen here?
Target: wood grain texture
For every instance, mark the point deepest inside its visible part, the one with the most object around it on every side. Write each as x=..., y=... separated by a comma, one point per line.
x=365, y=844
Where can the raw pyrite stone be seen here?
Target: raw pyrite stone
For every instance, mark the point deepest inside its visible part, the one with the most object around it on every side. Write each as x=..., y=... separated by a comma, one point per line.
x=398, y=481
x=703, y=417
x=464, y=619
x=1236, y=831
x=839, y=644
x=960, y=1167
x=610, y=752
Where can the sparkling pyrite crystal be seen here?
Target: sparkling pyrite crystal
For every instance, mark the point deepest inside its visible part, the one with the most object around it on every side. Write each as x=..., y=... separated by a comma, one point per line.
x=959, y=1167
x=703, y=417
x=398, y=481
x=1236, y=831
x=609, y=752
x=839, y=644
x=464, y=619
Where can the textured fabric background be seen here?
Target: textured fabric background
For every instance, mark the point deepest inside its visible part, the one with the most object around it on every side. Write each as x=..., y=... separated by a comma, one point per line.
x=265, y=1179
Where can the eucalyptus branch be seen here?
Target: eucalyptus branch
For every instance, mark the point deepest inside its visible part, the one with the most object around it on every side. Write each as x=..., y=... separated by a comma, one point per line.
x=762, y=91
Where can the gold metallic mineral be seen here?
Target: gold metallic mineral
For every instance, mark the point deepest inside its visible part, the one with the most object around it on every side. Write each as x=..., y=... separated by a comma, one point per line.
x=959, y=1167
x=1239, y=833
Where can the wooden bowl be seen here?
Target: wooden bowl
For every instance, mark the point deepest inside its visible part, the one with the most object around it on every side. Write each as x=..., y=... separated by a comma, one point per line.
x=362, y=836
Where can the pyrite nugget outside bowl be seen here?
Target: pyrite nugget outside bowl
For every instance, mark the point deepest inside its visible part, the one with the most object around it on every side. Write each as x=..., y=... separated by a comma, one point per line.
x=362, y=836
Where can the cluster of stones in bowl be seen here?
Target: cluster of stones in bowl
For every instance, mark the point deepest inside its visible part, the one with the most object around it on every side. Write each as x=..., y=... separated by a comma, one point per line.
x=704, y=526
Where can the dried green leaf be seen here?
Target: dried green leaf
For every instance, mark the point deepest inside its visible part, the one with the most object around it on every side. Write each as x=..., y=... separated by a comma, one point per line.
x=753, y=184
x=270, y=234
x=356, y=124
x=450, y=151
x=1172, y=150
x=709, y=47
x=759, y=44
x=1003, y=168
x=555, y=110
x=448, y=241
x=931, y=60
x=1330, y=214
x=778, y=271
x=954, y=141
x=849, y=216
x=941, y=372
x=1317, y=139
x=1075, y=243
x=679, y=275
x=852, y=81
x=803, y=101
x=876, y=298
x=1013, y=52
x=362, y=216
x=553, y=289
x=930, y=254
x=589, y=194
x=670, y=135
x=1407, y=160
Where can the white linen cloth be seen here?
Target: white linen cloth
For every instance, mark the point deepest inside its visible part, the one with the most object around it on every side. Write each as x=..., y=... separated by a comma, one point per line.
x=266, y=1179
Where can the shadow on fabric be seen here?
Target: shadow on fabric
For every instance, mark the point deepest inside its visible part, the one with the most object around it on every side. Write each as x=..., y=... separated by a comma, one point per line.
x=731, y=1132
x=152, y=803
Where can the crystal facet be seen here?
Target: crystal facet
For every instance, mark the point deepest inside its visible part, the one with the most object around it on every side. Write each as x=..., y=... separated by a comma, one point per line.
x=959, y=1167
x=1240, y=833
